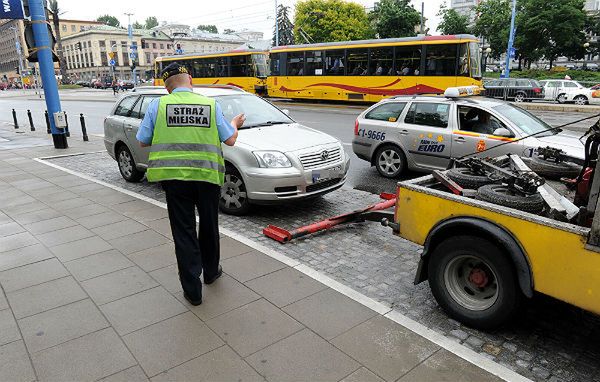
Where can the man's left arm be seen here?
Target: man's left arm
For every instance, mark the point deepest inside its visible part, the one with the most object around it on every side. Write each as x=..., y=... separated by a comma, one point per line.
x=146, y=129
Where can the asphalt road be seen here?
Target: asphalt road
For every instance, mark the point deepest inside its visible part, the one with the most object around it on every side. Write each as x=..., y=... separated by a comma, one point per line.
x=337, y=120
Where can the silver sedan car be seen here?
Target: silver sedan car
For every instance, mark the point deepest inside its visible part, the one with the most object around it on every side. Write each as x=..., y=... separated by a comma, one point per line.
x=274, y=159
x=422, y=133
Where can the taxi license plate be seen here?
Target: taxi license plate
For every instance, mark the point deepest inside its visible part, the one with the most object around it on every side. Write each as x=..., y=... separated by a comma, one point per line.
x=326, y=174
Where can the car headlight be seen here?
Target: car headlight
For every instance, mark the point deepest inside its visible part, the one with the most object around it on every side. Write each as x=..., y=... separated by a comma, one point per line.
x=272, y=159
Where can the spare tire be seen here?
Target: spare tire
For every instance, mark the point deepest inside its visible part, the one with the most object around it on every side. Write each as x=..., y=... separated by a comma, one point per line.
x=501, y=195
x=552, y=170
x=466, y=179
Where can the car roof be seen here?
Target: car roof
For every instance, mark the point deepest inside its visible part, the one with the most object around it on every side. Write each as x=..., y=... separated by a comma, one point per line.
x=208, y=91
x=479, y=100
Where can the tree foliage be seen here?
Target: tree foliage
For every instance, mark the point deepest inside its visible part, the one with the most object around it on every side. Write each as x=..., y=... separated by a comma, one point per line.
x=493, y=24
x=394, y=18
x=109, y=20
x=208, y=28
x=137, y=25
x=62, y=63
x=285, y=26
x=330, y=20
x=151, y=22
x=452, y=22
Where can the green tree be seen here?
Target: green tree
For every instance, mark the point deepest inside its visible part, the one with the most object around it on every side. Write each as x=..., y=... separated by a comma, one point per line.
x=493, y=24
x=109, y=20
x=331, y=20
x=137, y=25
x=286, y=28
x=452, y=21
x=62, y=63
x=394, y=18
x=208, y=28
x=151, y=22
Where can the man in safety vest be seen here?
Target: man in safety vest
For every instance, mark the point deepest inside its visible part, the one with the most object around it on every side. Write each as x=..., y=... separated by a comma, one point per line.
x=185, y=131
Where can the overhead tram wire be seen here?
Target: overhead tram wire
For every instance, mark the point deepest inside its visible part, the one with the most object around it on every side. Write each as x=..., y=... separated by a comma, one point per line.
x=225, y=11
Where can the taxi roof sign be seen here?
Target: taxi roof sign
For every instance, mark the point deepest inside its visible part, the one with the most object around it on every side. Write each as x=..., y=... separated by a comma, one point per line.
x=462, y=91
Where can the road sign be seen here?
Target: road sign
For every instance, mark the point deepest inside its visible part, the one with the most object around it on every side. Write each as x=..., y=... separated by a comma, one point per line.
x=513, y=52
x=179, y=51
x=12, y=9
x=112, y=62
x=132, y=55
x=134, y=47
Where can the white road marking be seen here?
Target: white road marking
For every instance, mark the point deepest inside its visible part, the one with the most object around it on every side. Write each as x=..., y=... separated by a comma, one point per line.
x=410, y=324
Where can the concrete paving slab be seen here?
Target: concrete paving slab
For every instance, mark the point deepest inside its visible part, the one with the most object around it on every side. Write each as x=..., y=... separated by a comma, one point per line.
x=41, y=193
x=119, y=229
x=138, y=241
x=251, y=265
x=80, y=248
x=16, y=201
x=163, y=227
x=24, y=256
x=231, y=248
x=9, y=331
x=168, y=277
x=329, y=313
x=15, y=365
x=101, y=219
x=59, y=197
x=50, y=225
x=3, y=301
x=32, y=206
x=32, y=274
x=155, y=258
x=61, y=324
x=97, y=265
x=133, y=374
x=119, y=284
x=131, y=206
x=65, y=235
x=86, y=358
x=38, y=215
x=444, y=366
x=83, y=189
x=148, y=214
x=10, y=228
x=221, y=364
x=87, y=210
x=292, y=286
x=109, y=198
x=386, y=348
x=303, y=356
x=220, y=297
x=142, y=309
x=254, y=326
x=42, y=297
x=169, y=343
x=16, y=241
x=74, y=202
x=362, y=375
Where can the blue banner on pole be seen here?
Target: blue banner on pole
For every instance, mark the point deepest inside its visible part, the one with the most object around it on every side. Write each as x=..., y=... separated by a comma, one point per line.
x=12, y=9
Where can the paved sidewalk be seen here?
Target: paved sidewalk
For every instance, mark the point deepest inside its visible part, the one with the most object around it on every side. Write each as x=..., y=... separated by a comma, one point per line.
x=90, y=291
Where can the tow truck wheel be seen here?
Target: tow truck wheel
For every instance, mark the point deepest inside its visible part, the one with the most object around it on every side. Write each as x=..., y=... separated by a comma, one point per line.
x=390, y=161
x=474, y=282
x=467, y=179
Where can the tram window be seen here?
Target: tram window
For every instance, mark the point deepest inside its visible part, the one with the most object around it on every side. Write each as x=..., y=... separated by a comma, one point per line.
x=239, y=66
x=382, y=62
x=335, y=62
x=440, y=60
x=314, y=63
x=295, y=63
x=275, y=68
x=204, y=67
x=463, y=62
x=358, y=60
x=221, y=67
x=408, y=60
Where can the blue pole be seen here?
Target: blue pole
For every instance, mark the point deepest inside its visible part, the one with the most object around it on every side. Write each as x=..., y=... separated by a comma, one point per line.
x=44, y=53
x=511, y=39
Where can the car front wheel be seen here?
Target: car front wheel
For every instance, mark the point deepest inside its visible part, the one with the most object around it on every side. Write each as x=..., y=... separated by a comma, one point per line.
x=127, y=166
x=580, y=100
x=234, y=197
x=390, y=161
x=520, y=97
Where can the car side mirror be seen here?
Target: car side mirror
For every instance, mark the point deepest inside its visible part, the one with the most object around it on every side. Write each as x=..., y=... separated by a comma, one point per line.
x=286, y=112
x=503, y=132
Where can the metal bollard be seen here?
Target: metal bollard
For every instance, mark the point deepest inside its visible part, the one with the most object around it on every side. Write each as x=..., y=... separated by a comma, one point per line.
x=47, y=122
x=67, y=133
x=15, y=119
x=30, y=120
x=83, y=129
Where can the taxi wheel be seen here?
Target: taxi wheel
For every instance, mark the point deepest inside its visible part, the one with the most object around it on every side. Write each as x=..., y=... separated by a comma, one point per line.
x=127, y=166
x=474, y=282
x=390, y=161
x=234, y=197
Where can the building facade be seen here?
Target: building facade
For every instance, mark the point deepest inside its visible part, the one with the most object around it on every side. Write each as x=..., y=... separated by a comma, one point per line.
x=11, y=32
x=189, y=40
x=464, y=7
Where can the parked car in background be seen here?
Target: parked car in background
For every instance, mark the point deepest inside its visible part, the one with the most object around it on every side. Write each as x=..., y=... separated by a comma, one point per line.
x=102, y=84
x=591, y=66
x=85, y=84
x=514, y=89
x=3, y=86
x=128, y=85
x=563, y=91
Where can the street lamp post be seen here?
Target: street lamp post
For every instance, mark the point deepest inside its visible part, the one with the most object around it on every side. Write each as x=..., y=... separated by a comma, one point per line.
x=18, y=48
x=585, y=56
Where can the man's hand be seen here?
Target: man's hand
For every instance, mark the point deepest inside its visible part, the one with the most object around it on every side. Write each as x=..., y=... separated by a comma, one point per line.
x=238, y=121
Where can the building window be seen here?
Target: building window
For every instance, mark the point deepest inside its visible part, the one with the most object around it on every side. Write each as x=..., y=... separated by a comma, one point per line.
x=81, y=28
x=123, y=44
x=162, y=46
x=73, y=28
x=153, y=45
x=102, y=43
x=148, y=59
x=113, y=45
x=125, y=59
x=64, y=28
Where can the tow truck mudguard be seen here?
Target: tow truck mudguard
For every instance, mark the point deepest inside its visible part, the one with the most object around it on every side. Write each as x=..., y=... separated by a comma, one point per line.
x=485, y=229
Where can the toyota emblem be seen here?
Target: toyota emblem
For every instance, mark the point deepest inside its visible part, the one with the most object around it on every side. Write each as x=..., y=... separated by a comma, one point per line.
x=325, y=155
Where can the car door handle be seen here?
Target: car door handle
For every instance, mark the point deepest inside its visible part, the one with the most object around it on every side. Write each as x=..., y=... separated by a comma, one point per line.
x=129, y=127
x=403, y=132
x=459, y=140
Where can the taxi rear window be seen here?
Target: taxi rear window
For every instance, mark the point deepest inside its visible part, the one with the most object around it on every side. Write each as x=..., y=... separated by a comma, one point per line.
x=389, y=112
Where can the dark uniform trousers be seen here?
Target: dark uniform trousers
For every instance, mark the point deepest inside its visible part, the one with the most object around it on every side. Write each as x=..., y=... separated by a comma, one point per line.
x=196, y=250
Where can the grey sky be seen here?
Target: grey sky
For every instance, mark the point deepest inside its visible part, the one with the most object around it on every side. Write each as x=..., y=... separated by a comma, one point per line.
x=233, y=14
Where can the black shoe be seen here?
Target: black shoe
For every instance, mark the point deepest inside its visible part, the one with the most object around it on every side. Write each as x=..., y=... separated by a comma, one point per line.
x=193, y=302
x=215, y=277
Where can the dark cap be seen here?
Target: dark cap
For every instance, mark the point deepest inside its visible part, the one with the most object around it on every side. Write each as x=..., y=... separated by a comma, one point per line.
x=172, y=70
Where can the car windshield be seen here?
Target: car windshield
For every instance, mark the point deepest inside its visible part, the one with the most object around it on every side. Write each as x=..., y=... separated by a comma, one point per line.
x=258, y=111
x=524, y=121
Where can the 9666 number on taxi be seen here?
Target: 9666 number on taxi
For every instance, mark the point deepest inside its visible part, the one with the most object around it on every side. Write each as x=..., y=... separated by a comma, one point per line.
x=372, y=134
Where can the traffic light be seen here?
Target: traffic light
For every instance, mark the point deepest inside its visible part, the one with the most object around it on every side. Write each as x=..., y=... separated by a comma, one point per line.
x=33, y=70
x=18, y=70
x=133, y=65
x=78, y=46
x=178, y=46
